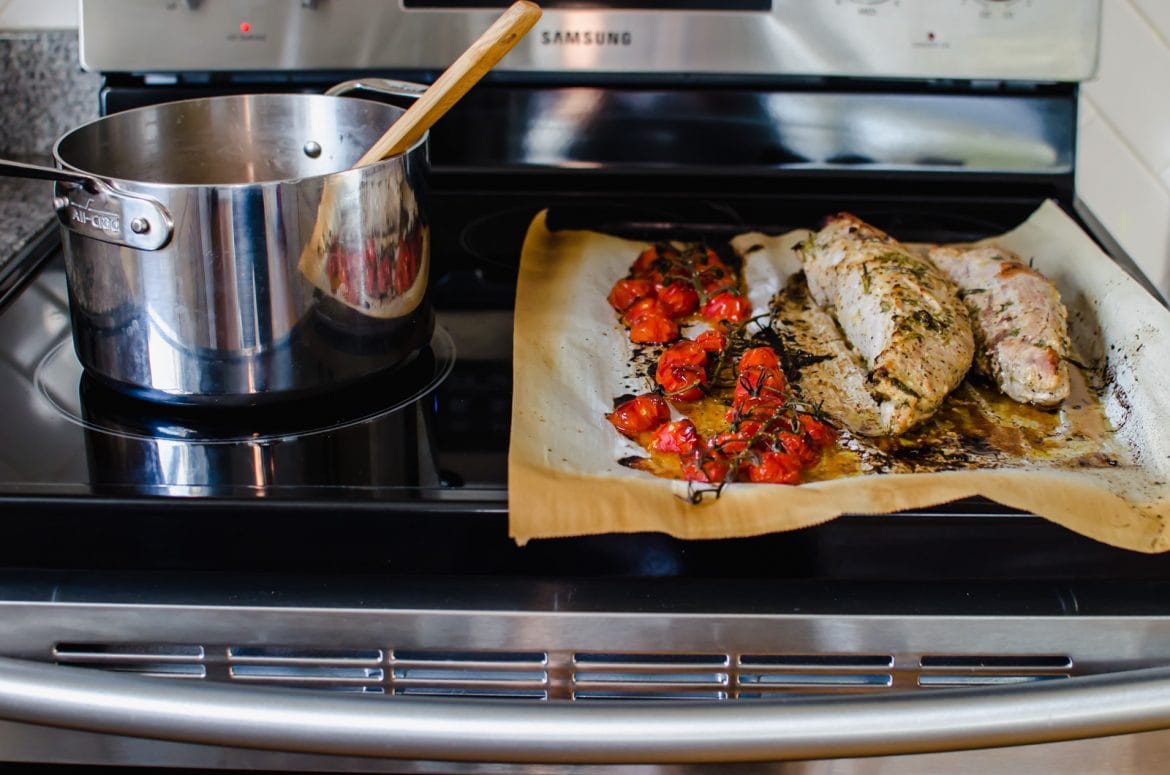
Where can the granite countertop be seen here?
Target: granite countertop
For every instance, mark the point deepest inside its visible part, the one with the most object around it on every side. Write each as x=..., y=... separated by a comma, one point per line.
x=26, y=207
x=44, y=93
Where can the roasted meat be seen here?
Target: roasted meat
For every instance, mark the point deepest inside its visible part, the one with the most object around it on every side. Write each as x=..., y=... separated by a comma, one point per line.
x=827, y=373
x=898, y=311
x=1020, y=325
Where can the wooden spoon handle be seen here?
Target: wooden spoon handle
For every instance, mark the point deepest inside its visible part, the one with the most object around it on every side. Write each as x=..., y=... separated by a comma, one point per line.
x=455, y=81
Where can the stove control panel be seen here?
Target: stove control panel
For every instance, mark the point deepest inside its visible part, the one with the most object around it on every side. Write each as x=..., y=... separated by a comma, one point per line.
x=996, y=40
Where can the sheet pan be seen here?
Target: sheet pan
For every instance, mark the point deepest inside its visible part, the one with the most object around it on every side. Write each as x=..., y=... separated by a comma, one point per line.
x=570, y=359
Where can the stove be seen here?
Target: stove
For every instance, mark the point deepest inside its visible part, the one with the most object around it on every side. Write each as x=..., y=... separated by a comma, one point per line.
x=327, y=584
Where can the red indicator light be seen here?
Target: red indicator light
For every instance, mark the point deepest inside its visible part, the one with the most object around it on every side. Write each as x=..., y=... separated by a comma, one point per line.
x=245, y=27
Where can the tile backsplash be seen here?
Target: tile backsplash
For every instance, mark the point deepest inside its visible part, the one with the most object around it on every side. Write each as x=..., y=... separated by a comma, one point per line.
x=1123, y=165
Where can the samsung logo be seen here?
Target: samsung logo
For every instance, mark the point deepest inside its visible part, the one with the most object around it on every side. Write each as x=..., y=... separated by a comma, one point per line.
x=586, y=38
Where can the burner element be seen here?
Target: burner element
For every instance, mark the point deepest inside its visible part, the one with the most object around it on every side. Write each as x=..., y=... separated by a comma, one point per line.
x=100, y=408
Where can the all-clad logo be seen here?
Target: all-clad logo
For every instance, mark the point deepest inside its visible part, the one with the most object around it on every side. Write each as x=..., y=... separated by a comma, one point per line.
x=586, y=38
x=88, y=215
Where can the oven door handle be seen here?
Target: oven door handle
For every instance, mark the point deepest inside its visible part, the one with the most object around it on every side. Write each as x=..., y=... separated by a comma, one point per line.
x=585, y=732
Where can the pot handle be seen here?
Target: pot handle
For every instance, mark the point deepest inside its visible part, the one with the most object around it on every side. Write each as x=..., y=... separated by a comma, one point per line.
x=93, y=208
x=384, y=86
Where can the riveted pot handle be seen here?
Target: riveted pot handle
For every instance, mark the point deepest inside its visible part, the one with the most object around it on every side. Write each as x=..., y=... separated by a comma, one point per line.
x=383, y=86
x=104, y=213
x=94, y=208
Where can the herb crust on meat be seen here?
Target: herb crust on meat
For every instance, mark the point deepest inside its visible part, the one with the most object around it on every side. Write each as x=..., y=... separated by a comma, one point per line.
x=900, y=313
x=1020, y=324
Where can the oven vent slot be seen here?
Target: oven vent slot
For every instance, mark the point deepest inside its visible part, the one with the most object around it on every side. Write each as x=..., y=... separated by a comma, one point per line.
x=763, y=675
x=606, y=676
x=943, y=670
x=502, y=674
x=154, y=660
x=355, y=670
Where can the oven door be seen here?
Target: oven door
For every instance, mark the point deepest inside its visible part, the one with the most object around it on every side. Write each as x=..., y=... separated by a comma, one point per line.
x=482, y=675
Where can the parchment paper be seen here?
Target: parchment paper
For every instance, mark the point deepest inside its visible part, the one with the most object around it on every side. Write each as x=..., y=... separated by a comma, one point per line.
x=571, y=356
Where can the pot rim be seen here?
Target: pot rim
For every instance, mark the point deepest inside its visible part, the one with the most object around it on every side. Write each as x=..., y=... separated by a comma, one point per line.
x=131, y=184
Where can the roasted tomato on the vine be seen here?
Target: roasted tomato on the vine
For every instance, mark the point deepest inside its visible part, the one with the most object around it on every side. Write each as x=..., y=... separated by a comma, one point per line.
x=705, y=465
x=731, y=443
x=759, y=356
x=820, y=434
x=679, y=436
x=640, y=414
x=759, y=382
x=629, y=290
x=654, y=261
x=712, y=341
x=679, y=299
x=798, y=446
x=727, y=306
x=642, y=308
x=682, y=383
x=775, y=468
x=709, y=261
x=649, y=322
x=682, y=371
x=653, y=329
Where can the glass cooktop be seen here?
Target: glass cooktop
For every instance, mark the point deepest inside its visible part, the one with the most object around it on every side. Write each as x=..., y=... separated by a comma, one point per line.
x=406, y=472
x=382, y=437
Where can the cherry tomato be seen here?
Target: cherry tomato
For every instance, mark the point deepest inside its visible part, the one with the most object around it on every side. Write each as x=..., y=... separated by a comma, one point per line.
x=685, y=353
x=640, y=414
x=760, y=382
x=775, y=468
x=653, y=329
x=709, y=260
x=730, y=443
x=682, y=371
x=654, y=260
x=727, y=306
x=629, y=290
x=704, y=465
x=680, y=436
x=642, y=308
x=712, y=341
x=759, y=356
x=819, y=434
x=798, y=447
x=715, y=287
x=679, y=299
x=681, y=383
x=753, y=413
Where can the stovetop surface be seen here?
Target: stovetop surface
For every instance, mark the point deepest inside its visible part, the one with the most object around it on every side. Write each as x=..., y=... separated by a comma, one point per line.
x=407, y=471
x=379, y=436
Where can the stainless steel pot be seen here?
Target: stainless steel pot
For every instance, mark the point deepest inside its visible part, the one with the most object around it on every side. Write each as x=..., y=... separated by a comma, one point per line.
x=187, y=234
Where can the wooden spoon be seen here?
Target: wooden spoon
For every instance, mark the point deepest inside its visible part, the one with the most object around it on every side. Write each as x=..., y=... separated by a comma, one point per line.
x=472, y=65
x=439, y=97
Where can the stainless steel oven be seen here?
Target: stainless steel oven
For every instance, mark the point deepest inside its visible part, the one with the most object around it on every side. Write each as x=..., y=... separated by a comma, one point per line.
x=328, y=585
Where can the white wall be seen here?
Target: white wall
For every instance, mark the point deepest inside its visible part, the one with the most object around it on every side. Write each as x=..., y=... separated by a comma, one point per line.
x=1124, y=142
x=38, y=14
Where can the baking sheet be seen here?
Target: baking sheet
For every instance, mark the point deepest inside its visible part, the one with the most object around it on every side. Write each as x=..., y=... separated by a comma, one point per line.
x=570, y=362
